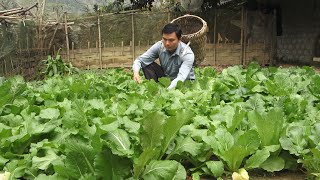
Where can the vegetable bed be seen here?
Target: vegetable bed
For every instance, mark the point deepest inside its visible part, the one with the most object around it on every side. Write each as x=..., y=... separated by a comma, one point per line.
x=102, y=125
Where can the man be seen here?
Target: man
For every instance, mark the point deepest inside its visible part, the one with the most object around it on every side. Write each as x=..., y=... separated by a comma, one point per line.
x=176, y=58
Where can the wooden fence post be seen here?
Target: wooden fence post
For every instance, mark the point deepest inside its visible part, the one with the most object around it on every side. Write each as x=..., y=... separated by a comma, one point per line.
x=5, y=67
x=139, y=45
x=245, y=37
x=74, y=54
x=67, y=38
x=214, y=39
x=133, y=38
x=100, y=50
x=242, y=33
x=12, y=67
x=122, y=48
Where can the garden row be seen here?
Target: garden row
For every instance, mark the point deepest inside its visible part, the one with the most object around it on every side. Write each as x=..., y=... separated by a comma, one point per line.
x=102, y=125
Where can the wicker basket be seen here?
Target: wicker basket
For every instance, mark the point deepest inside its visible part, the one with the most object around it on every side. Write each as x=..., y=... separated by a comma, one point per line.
x=194, y=29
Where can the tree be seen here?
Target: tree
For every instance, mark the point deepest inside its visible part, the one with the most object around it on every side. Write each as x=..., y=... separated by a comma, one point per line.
x=8, y=4
x=139, y=4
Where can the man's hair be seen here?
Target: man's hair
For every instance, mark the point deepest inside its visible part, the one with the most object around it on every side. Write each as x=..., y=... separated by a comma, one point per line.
x=171, y=28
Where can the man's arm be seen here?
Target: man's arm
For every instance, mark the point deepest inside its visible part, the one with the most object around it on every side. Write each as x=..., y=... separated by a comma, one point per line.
x=184, y=70
x=145, y=59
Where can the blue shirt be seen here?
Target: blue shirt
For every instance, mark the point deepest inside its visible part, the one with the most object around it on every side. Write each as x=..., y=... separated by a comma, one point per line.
x=178, y=66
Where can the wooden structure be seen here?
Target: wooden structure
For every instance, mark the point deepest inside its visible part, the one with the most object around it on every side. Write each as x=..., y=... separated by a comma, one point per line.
x=11, y=16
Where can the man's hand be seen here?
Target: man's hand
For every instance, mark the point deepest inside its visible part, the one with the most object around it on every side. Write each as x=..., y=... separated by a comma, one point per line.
x=173, y=84
x=136, y=77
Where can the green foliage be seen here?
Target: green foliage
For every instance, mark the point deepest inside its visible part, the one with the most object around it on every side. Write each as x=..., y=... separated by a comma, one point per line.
x=264, y=122
x=120, y=5
x=312, y=163
x=103, y=125
x=56, y=66
x=164, y=170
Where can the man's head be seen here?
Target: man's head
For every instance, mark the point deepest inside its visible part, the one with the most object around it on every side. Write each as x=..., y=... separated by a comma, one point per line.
x=171, y=35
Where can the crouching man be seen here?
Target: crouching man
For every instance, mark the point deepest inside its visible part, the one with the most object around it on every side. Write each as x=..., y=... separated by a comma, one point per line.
x=176, y=58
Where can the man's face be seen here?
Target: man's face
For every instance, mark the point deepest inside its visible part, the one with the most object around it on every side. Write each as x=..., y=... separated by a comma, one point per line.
x=170, y=41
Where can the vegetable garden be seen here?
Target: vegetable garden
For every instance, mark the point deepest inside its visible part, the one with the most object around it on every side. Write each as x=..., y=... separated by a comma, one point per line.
x=102, y=125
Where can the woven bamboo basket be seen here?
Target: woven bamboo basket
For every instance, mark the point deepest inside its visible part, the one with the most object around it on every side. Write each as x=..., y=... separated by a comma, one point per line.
x=194, y=29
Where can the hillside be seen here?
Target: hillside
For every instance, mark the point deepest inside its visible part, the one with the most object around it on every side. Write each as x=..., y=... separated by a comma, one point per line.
x=71, y=6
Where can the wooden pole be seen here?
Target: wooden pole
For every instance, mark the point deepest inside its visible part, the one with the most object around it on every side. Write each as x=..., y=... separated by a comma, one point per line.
x=214, y=39
x=122, y=48
x=12, y=67
x=133, y=38
x=28, y=50
x=100, y=50
x=51, y=40
x=67, y=38
x=113, y=49
x=245, y=38
x=5, y=67
x=55, y=31
x=19, y=47
x=241, y=40
x=72, y=48
x=40, y=15
x=273, y=52
x=10, y=10
x=139, y=44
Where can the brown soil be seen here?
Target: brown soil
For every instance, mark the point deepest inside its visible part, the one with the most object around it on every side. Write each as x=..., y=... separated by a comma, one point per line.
x=283, y=175
x=262, y=175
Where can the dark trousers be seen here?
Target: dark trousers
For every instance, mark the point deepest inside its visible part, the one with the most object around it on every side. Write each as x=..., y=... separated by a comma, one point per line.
x=153, y=71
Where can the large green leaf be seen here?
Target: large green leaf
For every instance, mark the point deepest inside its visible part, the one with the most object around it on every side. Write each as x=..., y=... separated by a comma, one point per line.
x=173, y=125
x=273, y=163
x=269, y=125
x=3, y=161
x=164, y=170
x=313, y=87
x=145, y=157
x=49, y=177
x=231, y=150
x=315, y=135
x=16, y=168
x=236, y=120
x=44, y=162
x=280, y=85
x=49, y=113
x=10, y=89
x=295, y=140
x=260, y=156
x=221, y=142
x=186, y=145
x=76, y=120
x=244, y=146
x=79, y=159
x=216, y=168
x=119, y=142
x=312, y=161
x=152, y=134
x=111, y=167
